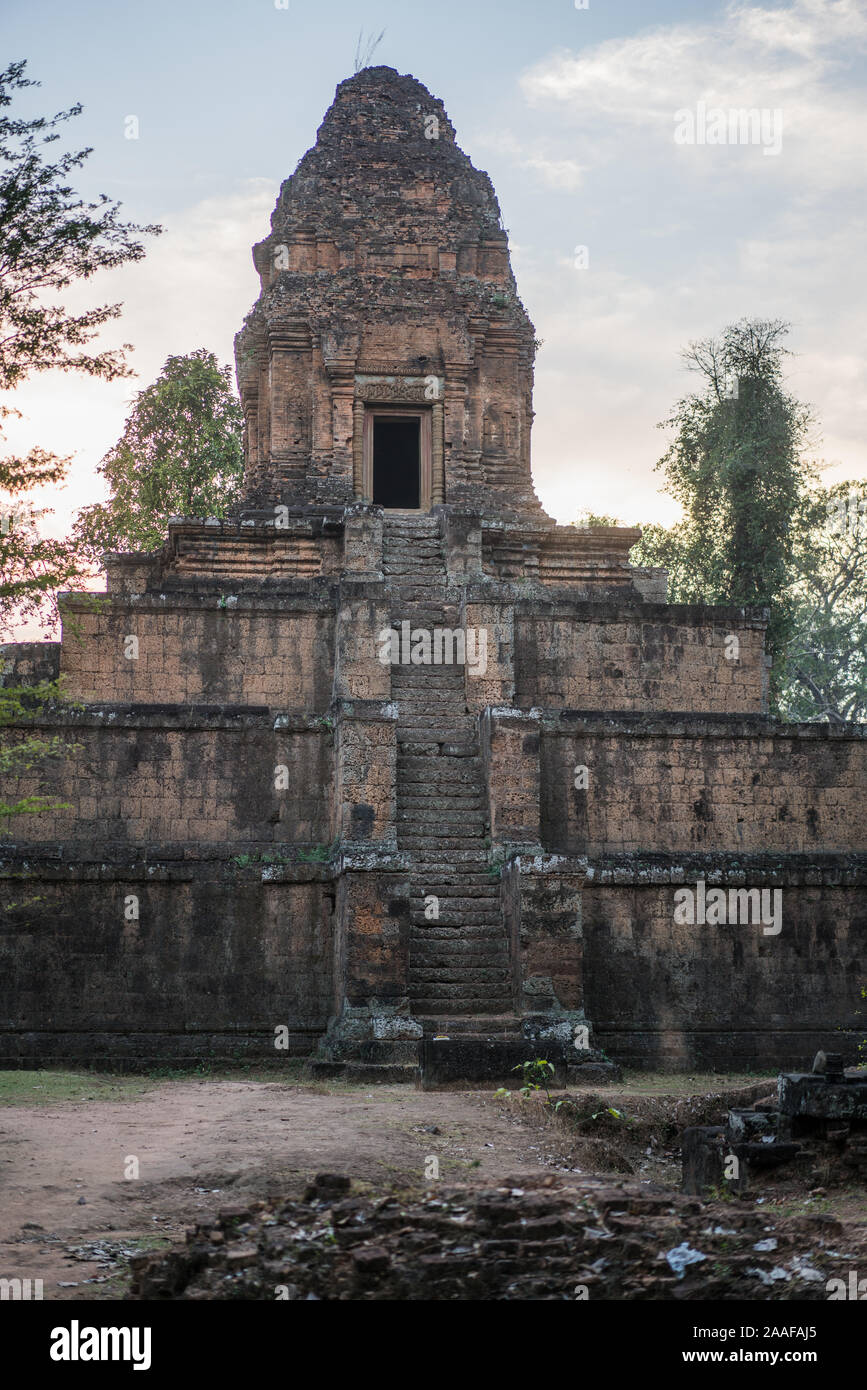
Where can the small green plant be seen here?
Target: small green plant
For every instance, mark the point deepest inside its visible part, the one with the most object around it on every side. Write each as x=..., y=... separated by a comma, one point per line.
x=319, y=854
x=537, y=1076
x=271, y=856
x=609, y=1110
x=496, y=863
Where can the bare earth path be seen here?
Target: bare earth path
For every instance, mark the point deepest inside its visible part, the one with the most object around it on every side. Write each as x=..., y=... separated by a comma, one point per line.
x=202, y=1145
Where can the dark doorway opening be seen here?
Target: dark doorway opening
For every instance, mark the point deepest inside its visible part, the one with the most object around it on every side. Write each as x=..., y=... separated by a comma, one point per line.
x=397, y=461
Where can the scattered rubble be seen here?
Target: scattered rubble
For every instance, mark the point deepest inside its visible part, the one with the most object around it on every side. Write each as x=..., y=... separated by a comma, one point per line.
x=530, y=1237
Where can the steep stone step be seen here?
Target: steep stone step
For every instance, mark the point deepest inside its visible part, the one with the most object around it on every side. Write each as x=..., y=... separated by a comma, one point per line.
x=430, y=813
x=427, y=613
x=442, y=680
x=438, y=786
x=455, y=841
x=454, y=898
x=433, y=761
x=474, y=912
x=496, y=1025
x=450, y=704
x=466, y=762
x=480, y=915
x=459, y=994
x=457, y=837
x=414, y=565
x=473, y=868
x=455, y=878
x=474, y=889
x=480, y=975
x=470, y=956
x=432, y=701
x=427, y=830
x=446, y=680
x=421, y=927
x=469, y=1008
x=493, y=948
x=449, y=708
x=416, y=794
x=417, y=768
x=453, y=730
x=430, y=864
x=427, y=950
x=481, y=953
x=429, y=695
x=449, y=676
x=410, y=726
x=425, y=981
x=413, y=573
x=420, y=544
x=449, y=825
x=468, y=879
x=471, y=912
x=471, y=969
x=411, y=713
x=416, y=589
x=445, y=676
x=406, y=547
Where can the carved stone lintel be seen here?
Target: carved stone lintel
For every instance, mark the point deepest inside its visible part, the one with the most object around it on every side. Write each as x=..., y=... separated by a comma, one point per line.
x=395, y=391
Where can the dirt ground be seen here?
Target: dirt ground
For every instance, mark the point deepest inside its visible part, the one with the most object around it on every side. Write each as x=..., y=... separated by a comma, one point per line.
x=70, y=1216
x=203, y=1144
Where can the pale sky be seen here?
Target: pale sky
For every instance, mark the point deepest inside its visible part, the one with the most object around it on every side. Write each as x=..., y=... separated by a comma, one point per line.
x=572, y=112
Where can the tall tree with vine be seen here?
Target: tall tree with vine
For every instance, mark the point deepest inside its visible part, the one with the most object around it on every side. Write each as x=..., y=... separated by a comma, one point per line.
x=739, y=467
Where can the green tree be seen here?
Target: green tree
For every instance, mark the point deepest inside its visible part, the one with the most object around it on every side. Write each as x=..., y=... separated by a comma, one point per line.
x=737, y=464
x=50, y=239
x=823, y=672
x=180, y=454
x=32, y=566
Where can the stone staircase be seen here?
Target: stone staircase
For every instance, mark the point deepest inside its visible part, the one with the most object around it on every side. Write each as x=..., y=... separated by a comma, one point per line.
x=459, y=968
x=462, y=988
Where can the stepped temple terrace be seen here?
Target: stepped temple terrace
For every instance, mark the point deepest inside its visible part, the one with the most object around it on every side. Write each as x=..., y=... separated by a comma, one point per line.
x=389, y=769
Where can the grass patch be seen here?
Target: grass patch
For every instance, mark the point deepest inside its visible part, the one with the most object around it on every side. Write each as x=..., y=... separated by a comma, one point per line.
x=288, y=1070
x=50, y=1087
x=647, y=1083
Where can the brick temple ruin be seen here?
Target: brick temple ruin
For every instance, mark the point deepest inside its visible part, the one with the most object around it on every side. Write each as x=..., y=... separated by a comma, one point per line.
x=390, y=755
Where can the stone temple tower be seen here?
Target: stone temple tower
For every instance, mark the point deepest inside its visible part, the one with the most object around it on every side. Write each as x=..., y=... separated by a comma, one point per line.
x=388, y=358
x=390, y=765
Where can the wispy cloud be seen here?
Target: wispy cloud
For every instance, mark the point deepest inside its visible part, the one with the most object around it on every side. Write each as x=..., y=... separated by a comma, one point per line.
x=795, y=59
x=563, y=173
